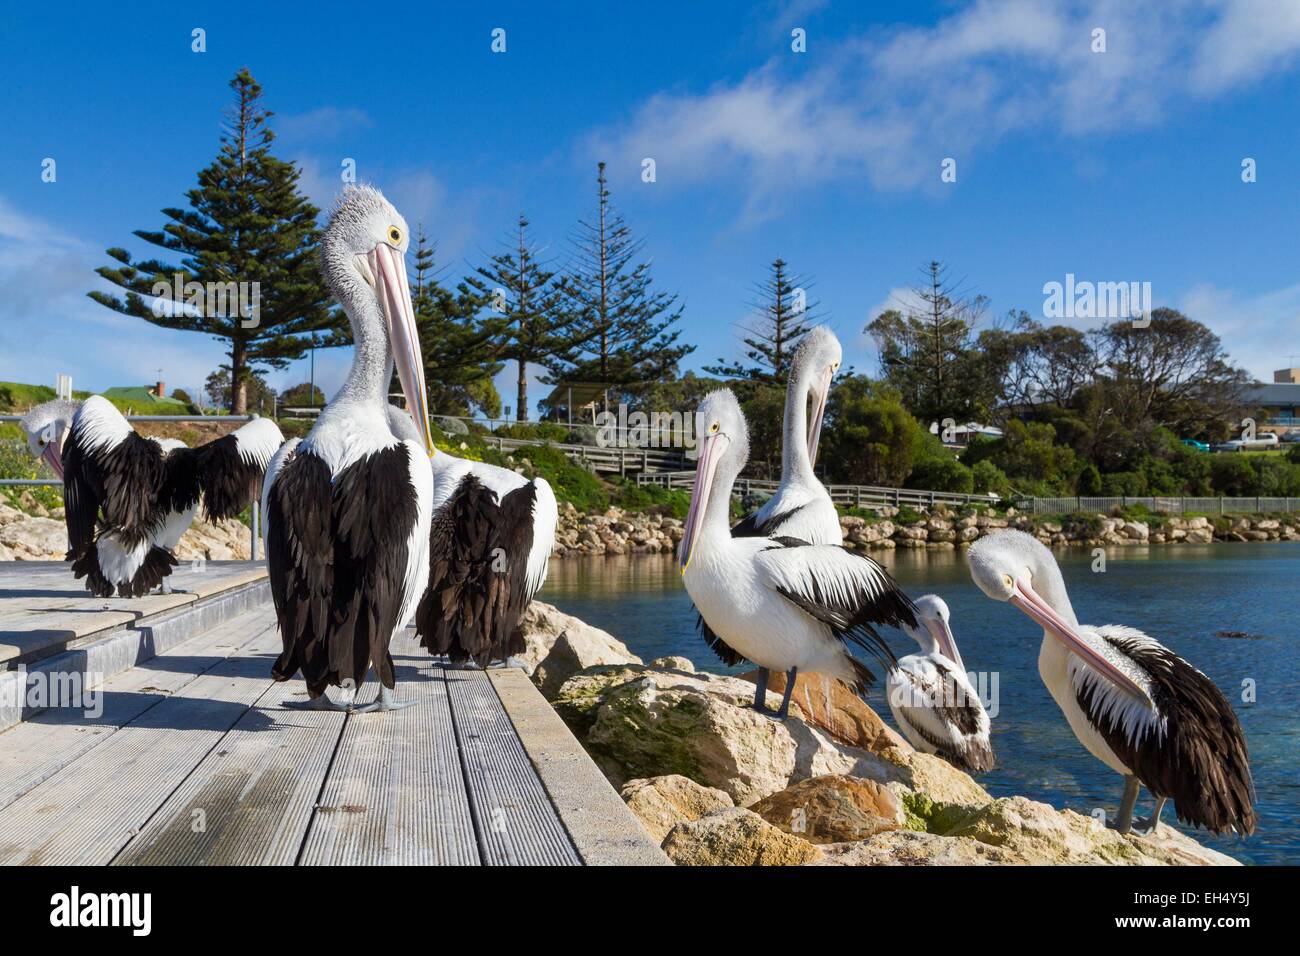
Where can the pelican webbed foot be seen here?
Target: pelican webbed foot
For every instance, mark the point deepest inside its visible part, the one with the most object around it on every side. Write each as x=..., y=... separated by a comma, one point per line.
x=386, y=701
x=321, y=702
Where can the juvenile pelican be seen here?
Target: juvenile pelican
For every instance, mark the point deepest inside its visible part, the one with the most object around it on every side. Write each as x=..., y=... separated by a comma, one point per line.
x=801, y=507
x=490, y=539
x=128, y=499
x=779, y=602
x=932, y=699
x=348, y=507
x=1134, y=704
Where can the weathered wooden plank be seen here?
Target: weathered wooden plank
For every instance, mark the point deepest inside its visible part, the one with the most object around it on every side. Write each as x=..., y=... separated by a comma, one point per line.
x=38, y=748
x=43, y=608
x=603, y=829
x=513, y=816
x=250, y=799
x=86, y=812
x=396, y=793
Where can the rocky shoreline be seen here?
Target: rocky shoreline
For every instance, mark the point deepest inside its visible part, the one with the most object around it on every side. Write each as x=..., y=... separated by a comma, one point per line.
x=33, y=533
x=617, y=531
x=716, y=783
x=37, y=534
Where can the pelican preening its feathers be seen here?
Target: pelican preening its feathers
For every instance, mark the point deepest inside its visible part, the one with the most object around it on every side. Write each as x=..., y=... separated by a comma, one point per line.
x=490, y=539
x=129, y=499
x=779, y=602
x=801, y=507
x=1134, y=704
x=933, y=701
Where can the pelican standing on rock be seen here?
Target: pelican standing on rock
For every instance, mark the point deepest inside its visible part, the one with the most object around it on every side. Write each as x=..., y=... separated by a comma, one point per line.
x=1134, y=704
x=782, y=603
x=801, y=507
x=490, y=539
x=348, y=507
x=932, y=699
x=128, y=499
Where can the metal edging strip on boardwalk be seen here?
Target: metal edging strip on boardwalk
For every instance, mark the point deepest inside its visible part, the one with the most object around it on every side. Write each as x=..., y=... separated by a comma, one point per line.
x=602, y=828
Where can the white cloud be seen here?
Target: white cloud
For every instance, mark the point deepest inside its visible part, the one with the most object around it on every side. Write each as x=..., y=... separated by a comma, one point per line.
x=325, y=122
x=1258, y=331
x=888, y=108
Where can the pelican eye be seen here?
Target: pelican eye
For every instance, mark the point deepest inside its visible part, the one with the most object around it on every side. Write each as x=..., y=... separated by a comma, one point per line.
x=394, y=235
x=1006, y=579
x=713, y=429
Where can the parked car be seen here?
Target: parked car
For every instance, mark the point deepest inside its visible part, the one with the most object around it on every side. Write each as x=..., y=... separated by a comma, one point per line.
x=1261, y=442
x=1291, y=436
x=1198, y=445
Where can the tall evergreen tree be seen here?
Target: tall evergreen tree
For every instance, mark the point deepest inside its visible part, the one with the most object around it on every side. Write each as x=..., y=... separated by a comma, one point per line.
x=459, y=344
x=783, y=315
x=624, y=327
x=928, y=352
x=247, y=223
x=524, y=294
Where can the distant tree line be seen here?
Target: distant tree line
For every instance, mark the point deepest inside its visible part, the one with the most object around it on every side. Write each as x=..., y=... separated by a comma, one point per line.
x=1098, y=412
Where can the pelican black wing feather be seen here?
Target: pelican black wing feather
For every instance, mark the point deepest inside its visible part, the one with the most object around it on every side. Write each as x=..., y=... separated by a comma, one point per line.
x=750, y=527
x=337, y=555
x=1201, y=762
x=726, y=653
x=230, y=479
x=478, y=569
x=850, y=593
x=110, y=489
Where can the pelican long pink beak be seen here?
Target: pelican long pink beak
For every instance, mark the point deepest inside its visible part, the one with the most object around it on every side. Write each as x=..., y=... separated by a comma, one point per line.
x=943, y=636
x=1028, y=600
x=53, y=456
x=711, y=449
x=389, y=270
x=815, y=432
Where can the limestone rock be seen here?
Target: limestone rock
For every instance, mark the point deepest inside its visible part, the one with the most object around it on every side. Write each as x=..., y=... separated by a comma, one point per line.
x=833, y=809
x=660, y=803
x=577, y=649
x=736, y=837
x=543, y=624
x=228, y=540
x=30, y=538
x=640, y=721
x=833, y=706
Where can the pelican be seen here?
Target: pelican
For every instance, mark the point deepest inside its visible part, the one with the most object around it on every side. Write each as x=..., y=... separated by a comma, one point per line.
x=801, y=507
x=129, y=499
x=490, y=539
x=932, y=699
x=348, y=507
x=1134, y=704
x=782, y=603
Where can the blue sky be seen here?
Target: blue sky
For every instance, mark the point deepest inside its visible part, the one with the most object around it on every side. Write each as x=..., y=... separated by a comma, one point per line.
x=1115, y=166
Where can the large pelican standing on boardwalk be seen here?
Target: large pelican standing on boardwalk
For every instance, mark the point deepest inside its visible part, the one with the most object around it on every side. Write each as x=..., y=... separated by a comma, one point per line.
x=1134, y=704
x=801, y=507
x=128, y=499
x=933, y=701
x=782, y=603
x=490, y=539
x=347, y=508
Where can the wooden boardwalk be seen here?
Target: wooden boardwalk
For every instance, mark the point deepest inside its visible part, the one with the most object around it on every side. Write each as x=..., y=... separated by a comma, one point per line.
x=193, y=755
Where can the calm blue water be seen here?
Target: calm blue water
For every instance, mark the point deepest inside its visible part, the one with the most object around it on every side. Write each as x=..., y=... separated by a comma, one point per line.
x=1182, y=595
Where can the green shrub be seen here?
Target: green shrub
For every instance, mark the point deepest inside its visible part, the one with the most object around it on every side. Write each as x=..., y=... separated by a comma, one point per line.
x=1123, y=483
x=943, y=473
x=987, y=477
